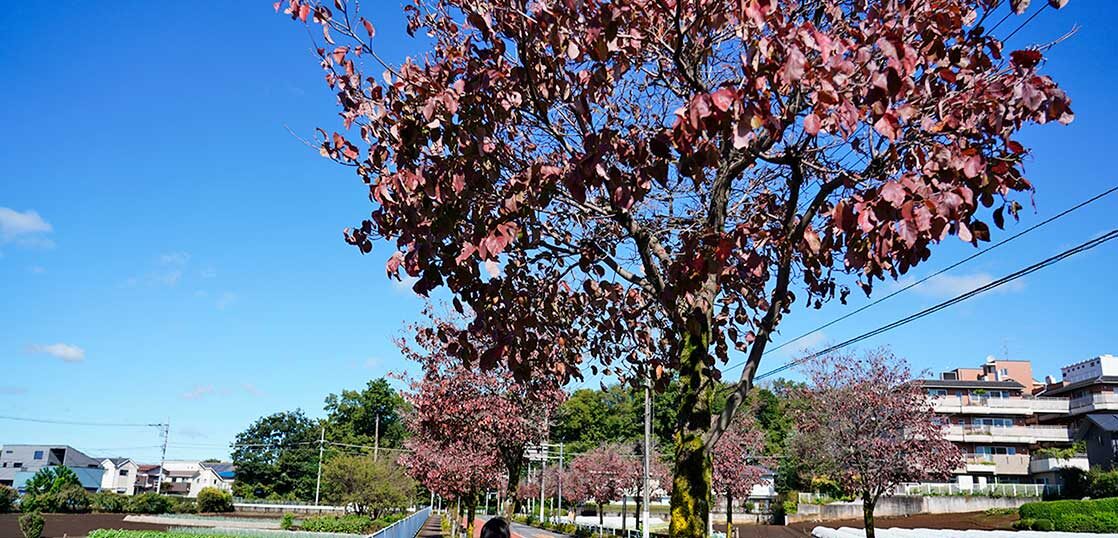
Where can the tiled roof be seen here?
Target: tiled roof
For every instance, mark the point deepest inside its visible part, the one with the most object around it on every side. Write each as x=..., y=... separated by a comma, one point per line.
x=1104, y=380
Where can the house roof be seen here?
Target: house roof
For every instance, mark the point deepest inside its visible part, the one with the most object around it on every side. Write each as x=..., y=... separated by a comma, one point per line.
x=89, y=477
x=969, y=384
x=1102, y=380
x=223, y=469
x=1108, y=422
x=148, y=468
x=117, y=462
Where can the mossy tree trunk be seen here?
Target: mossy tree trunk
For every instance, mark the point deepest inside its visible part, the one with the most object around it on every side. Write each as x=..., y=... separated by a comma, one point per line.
x=729, y=514
x=691, y=480
x=868, y=504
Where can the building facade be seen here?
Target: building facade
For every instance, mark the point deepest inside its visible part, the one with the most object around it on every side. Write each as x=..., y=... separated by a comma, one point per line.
x=1091, y=389
x=18, y=463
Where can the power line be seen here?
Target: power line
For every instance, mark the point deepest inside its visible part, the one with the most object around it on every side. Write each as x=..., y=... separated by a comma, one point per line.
x=941, y=271
x=960, y=298
x=77, y=423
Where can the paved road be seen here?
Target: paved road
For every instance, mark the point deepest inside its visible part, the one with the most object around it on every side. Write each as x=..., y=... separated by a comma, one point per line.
x=524, y=531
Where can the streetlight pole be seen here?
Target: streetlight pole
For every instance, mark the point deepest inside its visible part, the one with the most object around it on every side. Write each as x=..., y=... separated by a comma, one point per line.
x=647, y=449
x=543, y=471
x=321, y=446
x=559, y=493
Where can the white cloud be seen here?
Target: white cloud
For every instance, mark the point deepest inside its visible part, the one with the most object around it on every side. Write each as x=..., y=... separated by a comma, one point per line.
x=26, y=228
x=811, y=342
x=174, y=258
x=198, y=392
x=251, y=389
x=225, y=300
x=66, y=352
x=947, y=286
x=12, y=391
x=189, y=432
x=14, y=224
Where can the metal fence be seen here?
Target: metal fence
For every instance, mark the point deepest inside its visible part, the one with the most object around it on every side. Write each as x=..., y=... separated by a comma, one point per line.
x=988, y=490
x=405, y=528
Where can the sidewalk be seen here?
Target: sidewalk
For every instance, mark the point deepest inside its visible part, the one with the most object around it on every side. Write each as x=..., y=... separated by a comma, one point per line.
x=433, y=528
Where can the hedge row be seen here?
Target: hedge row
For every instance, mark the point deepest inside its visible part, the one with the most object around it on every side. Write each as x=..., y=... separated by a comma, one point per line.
x=1099, y=515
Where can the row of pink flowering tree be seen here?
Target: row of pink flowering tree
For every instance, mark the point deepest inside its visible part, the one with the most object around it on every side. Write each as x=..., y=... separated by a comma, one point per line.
x=641, y=187
x=470, y=428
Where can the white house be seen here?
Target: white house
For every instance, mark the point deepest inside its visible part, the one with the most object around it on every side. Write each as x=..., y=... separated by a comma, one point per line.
x=120, y=475
x=187, y=477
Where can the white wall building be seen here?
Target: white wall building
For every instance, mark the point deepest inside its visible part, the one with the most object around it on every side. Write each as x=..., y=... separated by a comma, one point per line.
x=188, y=477
x=120, y=475
x=1103, y=365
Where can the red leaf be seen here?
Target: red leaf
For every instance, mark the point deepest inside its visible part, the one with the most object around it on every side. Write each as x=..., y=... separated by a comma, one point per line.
x=888, y=126
x=723, y=99
x=1019, y=6
x=1058, y=4
x=973, y=166
x=1025, y=59
x=368, y=27
x=893, y=193
x=812, y=124
x=304, y=10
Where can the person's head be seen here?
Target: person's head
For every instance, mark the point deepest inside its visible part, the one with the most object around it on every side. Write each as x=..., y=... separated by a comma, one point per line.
x=495, y=528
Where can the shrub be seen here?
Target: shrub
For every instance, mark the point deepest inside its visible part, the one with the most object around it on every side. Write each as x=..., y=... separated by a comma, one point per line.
x=1102, y=484
x=288, y=521
x=214, y=500
x=182, y=505
x=349, y=524
x=71, y=499
x=749, y=507
x=31, y=525
x=1099, y=515
x=1043, y=525
x=108, y=502
x=8, y=498
x=149, y=503
x=1023, y=524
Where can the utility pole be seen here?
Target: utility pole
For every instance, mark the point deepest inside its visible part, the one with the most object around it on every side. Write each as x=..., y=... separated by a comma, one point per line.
x=376, y=439
x=165, y=432
x=559, y=493
x=543, y=469
x=647, y=449
x=321, y=446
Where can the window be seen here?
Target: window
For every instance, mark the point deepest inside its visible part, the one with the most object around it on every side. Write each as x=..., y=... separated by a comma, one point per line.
x=998, y=450
x=937, y=392
x=997, y=422
x=124, y=472
x=38, y=454
x=17, y=464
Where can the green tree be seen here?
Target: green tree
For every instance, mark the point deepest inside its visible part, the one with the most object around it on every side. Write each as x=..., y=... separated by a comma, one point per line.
x=352, y=415
x=591, y=417
x=8, y=498
x=51, y=480
x=278, y=453
x=31, y=525
x=371, y=487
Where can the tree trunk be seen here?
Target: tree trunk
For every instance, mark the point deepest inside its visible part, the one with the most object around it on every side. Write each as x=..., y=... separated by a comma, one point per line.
x=624, y=511
x=640, y=510
x=471, y=513
x=868, y=503
x=729, y=515
x=601, y=514
x=691, y=478
x=513, y=464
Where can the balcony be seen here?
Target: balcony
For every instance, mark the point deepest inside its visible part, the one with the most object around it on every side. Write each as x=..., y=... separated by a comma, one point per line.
x=968, y=433
x=999, y=464
x=1105, y=401
x=1044, y=465
x=965, y=405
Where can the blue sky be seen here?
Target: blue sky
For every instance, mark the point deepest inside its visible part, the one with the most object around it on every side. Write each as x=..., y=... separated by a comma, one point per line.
x=171, y=251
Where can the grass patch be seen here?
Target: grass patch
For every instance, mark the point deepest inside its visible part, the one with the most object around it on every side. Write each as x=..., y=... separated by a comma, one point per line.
x=1100, y=515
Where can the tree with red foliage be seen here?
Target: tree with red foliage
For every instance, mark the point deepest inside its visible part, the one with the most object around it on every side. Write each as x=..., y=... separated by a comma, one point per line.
x=650, y=184
x=601, y=475
x=489, y=414
x=871, y=425
x=735, y=462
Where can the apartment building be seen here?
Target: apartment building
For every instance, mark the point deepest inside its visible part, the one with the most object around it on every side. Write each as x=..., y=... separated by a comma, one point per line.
x=991, y=414
x=18, y=463
x=1091, y=389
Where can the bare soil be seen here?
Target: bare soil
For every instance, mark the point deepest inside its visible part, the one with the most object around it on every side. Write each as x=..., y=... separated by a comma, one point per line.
x=969, y=520
x=73, y=525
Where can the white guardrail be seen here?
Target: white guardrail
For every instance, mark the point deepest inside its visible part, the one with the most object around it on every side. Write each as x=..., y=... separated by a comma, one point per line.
x=405, y=528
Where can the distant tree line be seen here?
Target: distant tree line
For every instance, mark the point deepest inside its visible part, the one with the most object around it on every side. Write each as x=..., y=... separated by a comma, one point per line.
x=277, y=455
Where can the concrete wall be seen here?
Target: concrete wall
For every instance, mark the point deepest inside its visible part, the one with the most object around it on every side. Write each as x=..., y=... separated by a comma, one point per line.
x=903, y=505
